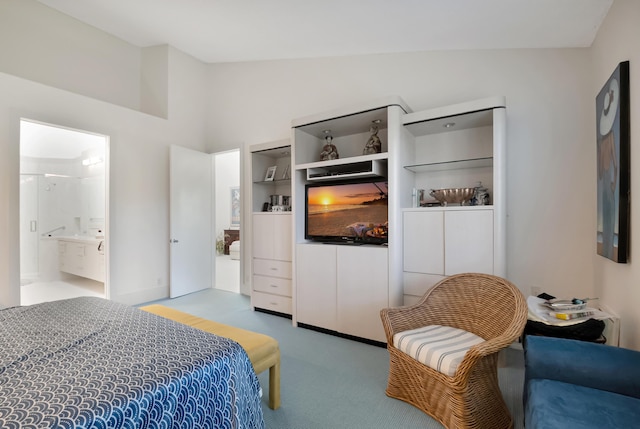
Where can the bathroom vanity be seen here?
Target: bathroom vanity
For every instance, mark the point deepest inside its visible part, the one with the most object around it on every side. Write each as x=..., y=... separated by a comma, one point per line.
x=82, y=256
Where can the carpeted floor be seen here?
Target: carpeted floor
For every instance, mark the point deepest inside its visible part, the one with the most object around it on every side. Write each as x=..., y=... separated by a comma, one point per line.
x=329, y=382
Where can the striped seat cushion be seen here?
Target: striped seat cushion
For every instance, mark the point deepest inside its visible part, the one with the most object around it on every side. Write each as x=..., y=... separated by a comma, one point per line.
x=439, y=347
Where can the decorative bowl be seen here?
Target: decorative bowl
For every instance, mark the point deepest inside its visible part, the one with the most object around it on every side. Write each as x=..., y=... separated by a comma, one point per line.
x=453, y=195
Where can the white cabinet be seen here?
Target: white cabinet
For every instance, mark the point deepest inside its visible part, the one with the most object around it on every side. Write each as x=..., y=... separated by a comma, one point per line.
x=423, y=242
x=271, y=241
x=272, y=236
x=363, y=290
x=439, y=243
x=342, y=288
x=83, y=258
x=316, y=285
x=455, y=147
x=272, y=269
x=468, y=241
x=448, y=242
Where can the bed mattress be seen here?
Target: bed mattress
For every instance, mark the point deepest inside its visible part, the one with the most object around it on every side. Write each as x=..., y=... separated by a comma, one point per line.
x=93, y=363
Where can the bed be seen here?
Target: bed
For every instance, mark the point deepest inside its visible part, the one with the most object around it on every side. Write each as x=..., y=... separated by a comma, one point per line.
x=94, y=363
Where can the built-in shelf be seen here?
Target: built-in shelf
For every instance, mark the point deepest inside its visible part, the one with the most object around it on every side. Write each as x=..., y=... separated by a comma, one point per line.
x=451, y=165
x=359, y=169
x=273, y=182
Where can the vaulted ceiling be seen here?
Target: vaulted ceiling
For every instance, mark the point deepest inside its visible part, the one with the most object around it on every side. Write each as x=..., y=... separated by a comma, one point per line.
x=252, y=30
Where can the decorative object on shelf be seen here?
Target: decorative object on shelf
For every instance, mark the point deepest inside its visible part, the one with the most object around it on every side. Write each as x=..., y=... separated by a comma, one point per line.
x=453, y=195
x=480, y=196
x=329, y=150
x=417, y=196
x=373, y=145
x=612, y=115
x=271, y=174
x=235, y=207
x=285, y=175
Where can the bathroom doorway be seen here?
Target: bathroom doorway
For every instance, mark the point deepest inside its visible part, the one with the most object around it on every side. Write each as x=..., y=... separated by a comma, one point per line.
x=226, y=167
x=63, y=213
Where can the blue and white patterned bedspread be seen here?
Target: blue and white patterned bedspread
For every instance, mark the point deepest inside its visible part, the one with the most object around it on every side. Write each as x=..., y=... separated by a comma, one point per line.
x=94, y=363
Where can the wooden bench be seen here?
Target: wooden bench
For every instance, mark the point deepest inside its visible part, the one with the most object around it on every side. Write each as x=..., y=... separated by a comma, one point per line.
x=263, y=351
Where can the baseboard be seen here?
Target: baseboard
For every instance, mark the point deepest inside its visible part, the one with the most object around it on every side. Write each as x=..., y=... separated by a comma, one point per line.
x=142, y=296
x=341, y=335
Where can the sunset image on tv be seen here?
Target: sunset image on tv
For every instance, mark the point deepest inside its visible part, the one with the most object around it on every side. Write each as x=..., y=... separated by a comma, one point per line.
x=358, y=210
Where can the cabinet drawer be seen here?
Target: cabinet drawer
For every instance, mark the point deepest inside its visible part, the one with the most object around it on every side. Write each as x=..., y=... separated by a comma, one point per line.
x=271, y=268
x=274, y=285
x=267, y=301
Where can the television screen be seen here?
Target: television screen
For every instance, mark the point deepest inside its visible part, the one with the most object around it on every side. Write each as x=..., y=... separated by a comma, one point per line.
x=347, y=212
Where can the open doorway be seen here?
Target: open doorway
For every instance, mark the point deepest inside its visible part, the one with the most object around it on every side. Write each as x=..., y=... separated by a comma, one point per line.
x=227, y=220
x=63, y=213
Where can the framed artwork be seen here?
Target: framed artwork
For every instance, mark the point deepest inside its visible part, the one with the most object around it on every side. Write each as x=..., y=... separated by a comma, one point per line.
x=235, y=207
x=271, y=174
x=613, y=131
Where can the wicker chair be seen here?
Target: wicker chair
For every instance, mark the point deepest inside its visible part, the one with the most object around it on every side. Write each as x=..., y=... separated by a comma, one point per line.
x=488, y=306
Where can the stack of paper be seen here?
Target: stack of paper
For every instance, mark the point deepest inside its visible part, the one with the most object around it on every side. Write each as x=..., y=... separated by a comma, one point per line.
x=569, y=314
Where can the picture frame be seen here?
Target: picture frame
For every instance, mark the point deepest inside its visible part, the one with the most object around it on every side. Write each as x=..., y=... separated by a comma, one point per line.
x=613, y=168
x=271, y=174
x=235, y=207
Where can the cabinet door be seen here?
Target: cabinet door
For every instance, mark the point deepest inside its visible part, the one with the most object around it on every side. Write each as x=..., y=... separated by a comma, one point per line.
x=282, y=237
x=262, y=236
x=363, y=290
x=272, y=236
x=423, y=242
x=469, y=241
x=316, y=285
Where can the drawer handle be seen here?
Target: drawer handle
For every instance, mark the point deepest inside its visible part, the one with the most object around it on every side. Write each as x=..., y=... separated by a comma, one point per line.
x=273, y=269
x=273, y=285
x=274, y=303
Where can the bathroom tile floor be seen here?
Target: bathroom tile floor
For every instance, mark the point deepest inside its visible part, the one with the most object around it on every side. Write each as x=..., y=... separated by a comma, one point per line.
x=37, y=292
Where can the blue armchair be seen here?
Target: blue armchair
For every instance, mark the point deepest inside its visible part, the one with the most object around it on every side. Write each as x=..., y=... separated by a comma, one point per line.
x=576, y=384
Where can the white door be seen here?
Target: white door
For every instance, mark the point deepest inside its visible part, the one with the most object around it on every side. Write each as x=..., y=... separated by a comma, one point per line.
x=469, y=242
x=424, y=242
x=191, y=238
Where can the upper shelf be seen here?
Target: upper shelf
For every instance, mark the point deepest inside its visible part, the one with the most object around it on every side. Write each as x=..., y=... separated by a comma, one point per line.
x=349, y=120
x=473, y=114
x=273, y=182
x=451, y=165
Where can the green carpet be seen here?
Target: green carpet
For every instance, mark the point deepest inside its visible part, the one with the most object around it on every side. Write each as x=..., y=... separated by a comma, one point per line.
x=329, y=382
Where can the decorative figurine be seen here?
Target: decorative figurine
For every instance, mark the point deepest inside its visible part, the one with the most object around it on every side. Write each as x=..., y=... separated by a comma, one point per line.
x=329, y=151
x=374, y=145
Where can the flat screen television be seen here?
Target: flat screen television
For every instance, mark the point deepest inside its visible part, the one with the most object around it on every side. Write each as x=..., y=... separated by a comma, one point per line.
x=354, y=212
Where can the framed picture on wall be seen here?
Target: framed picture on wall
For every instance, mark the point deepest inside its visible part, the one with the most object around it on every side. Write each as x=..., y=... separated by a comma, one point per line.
x=235, y=207
x=613, y=131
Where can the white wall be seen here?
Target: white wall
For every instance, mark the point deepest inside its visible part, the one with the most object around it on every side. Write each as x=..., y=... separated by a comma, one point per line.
x=550, y=109
x=617, y=284
x=44, y=45
x=34, y=41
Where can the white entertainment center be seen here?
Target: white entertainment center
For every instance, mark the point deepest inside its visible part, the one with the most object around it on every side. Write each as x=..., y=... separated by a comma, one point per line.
x=340, y=288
